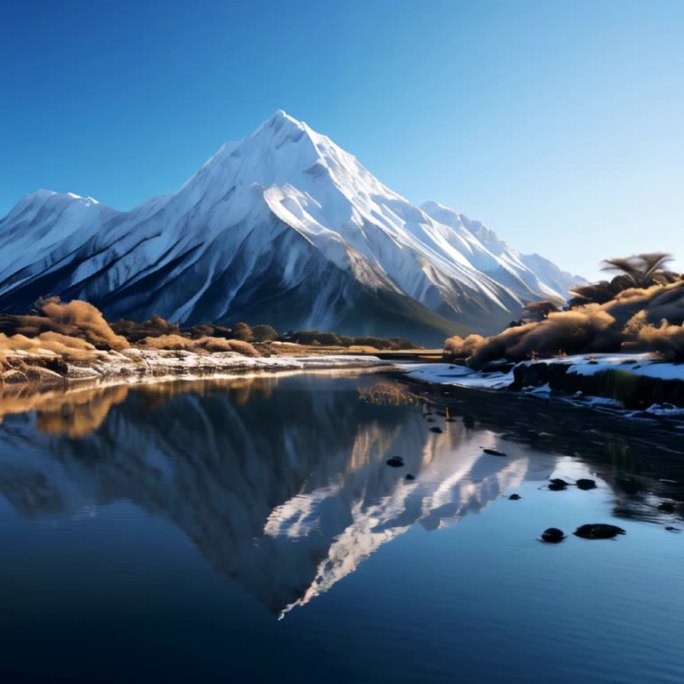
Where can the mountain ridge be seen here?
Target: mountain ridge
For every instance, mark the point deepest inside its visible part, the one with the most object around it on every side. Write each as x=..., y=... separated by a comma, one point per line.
x=283, y=227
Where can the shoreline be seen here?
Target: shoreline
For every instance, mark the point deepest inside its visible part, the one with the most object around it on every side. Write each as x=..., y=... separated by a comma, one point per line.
x=627, y=385
x=135, y=367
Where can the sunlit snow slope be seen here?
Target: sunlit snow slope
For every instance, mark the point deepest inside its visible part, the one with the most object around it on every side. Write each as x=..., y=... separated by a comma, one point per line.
x=282, y=227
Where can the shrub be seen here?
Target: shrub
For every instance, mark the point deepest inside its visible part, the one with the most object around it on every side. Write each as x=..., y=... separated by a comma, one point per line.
x=263, y=333
x=169, y=342
x=458, y=347
x=538, y=311
x=241, y=331
x=70, y=348
x=637, y=319
x=666, y=339
x=203, y=344
x=75, y=319
x=135, y=331
x=587, y=329
x=244, y=348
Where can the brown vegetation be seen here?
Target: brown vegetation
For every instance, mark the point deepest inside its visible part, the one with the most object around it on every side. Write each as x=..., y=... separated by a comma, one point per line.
x=331, y=339
x=202, y=344
x=75, y=319
x=47, y=344
x=648, y=319
x=458, y=347
x=38, y=346
x=388, y=394
x=134, y=331
x=157, y=327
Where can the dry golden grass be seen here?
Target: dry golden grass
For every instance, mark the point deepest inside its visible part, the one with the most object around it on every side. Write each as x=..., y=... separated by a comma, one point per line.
x=388, y=394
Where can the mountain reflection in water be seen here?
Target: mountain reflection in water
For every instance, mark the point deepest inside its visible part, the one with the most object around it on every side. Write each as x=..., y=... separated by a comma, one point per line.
x=281, y=483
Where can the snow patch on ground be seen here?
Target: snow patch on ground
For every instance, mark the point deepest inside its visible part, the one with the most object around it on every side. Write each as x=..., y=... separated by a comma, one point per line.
x=638, y=364
x=667, y=410
x=461, y=376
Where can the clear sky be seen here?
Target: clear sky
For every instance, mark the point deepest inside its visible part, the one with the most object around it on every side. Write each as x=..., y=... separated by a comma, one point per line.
x=559, y=124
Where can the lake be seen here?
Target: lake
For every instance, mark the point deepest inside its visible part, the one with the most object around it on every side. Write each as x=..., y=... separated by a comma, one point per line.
x=251, y=531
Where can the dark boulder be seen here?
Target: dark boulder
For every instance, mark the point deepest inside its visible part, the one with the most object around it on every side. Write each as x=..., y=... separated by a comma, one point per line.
x=410, y=477
x=438, y=430
x=667, y=507
x=552, y=535
x=493, y=452
x=557, y=484
x=585, y=483
x=598, y=531
x=395, y=462
x=515, y=497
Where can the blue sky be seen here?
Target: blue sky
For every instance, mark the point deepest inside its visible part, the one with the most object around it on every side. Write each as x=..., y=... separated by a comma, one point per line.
x=559, y=124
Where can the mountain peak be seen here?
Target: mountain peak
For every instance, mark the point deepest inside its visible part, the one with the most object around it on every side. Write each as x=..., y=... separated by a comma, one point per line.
x=280, y=116
x=280, y=122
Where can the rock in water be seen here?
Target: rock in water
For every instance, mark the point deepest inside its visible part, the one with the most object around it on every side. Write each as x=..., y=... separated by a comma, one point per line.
x=557, y=484
x=410, y=477
x=667, y=507
x=515, y=497
x=585, y=483
x=598, y=531
x=395, y=461
x=553, y=535
x=493, y=452
x=436, y=429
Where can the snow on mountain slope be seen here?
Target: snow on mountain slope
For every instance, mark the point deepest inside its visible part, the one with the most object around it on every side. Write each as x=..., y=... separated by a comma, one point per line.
x=285, y=227
x=47, y=224
x=523, y=273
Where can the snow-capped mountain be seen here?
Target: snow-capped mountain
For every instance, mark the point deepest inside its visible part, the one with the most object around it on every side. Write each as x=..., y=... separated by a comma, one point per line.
x=282, y=227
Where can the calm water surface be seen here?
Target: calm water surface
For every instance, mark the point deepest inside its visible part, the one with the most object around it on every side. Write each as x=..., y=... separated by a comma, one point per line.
x=251, y=532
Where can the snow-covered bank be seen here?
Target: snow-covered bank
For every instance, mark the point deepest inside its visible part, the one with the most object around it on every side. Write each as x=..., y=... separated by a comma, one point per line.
x=461, y=376
x=614, y=381
x=138, y=365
